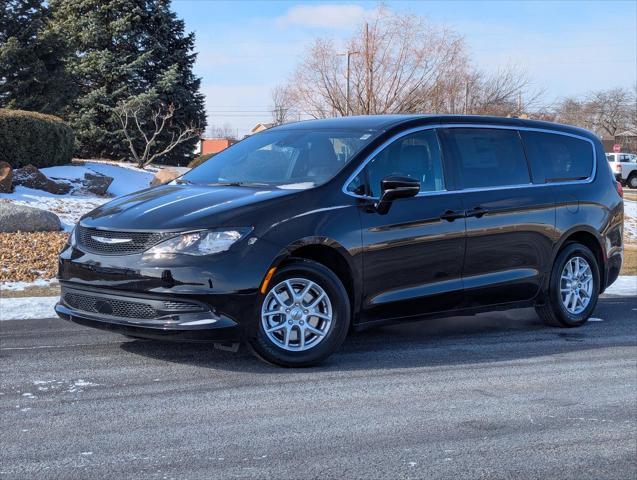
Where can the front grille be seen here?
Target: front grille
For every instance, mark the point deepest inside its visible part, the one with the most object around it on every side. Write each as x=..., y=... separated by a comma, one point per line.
x=121, y=243
x=118, y=307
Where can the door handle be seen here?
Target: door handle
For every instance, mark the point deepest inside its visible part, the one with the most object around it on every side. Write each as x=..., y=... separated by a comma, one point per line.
x=476, y=212
x=451, y=215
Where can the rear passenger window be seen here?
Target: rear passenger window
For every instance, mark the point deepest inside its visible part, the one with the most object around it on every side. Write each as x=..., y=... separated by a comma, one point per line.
x=562, y=158
x=488, y=157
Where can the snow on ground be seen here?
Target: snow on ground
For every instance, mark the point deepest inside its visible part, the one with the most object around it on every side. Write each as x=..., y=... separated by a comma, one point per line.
x=22, y=308
x=625, y=286
x=126, y=179
x=70, y=207
x=630, y=221
x=27, y=307
x=19, y=286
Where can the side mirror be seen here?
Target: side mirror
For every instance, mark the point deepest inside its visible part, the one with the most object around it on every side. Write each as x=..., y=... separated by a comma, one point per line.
x=394, y=187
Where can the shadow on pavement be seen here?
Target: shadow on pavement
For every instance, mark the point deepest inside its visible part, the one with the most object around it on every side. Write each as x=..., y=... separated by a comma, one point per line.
x=493, y=337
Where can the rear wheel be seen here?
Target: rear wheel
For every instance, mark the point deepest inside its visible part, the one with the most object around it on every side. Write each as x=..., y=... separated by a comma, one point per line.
x=304, y=316
x=632, y=180
x=574, y=288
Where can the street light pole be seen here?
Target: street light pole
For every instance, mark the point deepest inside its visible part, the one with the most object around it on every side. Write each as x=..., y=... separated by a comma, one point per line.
x=348, y=54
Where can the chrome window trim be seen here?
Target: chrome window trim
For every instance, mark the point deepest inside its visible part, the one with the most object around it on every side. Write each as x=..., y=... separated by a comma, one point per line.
x=399, y=135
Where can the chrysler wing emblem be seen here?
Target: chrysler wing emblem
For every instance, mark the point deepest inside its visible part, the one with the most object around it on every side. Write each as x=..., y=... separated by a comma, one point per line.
x=111, y=241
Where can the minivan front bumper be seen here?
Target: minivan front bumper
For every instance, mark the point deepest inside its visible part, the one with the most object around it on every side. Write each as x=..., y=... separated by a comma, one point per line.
x=146, y=316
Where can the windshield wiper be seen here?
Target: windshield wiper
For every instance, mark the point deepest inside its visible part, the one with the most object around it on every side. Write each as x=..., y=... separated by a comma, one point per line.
x=240, y=184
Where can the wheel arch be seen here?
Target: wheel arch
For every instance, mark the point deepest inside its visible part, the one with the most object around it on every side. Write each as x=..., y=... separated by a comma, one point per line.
x=332, y=255
x=592, y=240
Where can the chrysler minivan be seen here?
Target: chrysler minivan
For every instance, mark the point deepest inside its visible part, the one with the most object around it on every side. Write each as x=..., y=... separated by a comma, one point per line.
x=294, y=236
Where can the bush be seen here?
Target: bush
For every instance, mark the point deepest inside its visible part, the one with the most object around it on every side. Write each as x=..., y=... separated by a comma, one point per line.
x=34, y=138
x=199, y=159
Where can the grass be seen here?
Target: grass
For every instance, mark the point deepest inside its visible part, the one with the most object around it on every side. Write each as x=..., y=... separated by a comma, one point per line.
x=630, y=259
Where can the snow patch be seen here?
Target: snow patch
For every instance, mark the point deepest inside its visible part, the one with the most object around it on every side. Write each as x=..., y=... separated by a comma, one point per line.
x=625, y=286
x=19, y=286
x=73, y=205
x=126, y=179
x=27, y=307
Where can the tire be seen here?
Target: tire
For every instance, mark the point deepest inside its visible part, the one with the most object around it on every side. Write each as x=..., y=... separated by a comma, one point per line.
x=553, y=311
x=632, y=181
x=304, y=347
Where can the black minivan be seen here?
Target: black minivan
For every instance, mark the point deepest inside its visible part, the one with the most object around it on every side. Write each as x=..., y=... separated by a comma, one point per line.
x=294, y=236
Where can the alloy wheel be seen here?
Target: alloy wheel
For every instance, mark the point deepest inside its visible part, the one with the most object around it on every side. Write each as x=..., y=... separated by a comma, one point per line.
x=296, y=314
x=576, y=285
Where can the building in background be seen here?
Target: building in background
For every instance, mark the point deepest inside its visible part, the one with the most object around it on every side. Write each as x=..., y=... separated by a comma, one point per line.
x=259, y=127
x=214, y=145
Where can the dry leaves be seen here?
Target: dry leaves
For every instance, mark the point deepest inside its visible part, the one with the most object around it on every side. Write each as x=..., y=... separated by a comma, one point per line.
x=29, y=256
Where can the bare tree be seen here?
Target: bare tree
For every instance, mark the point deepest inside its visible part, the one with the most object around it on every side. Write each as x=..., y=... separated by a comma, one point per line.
x=400, y=60
x=281, y=105
x=613, y=111
x=142, y=125
x=400, y=63
x=607, y=112
x=224, y=131
x=506, y=92
x=574, y=111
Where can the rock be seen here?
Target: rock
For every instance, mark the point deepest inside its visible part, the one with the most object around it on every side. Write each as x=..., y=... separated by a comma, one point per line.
x=6, y=178
x=20, y=218
x=97, y=183
x=165, y=175
x=31, y=177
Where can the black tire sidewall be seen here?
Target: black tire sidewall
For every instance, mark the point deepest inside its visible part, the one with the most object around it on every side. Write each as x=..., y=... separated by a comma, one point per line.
x=339, y=299
x=631, y=179
x=564, y=316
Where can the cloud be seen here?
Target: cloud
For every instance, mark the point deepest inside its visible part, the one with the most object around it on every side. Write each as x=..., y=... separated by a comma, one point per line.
x=328, y=16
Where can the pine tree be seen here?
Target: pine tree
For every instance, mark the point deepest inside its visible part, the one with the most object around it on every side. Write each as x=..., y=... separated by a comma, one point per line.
x=127, y=50
x=32, y=73
x=170, y=71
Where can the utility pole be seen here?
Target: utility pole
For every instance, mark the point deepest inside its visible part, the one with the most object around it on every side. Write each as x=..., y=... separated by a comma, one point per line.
x=466, y=96
x=368, y=73
x=348, y=54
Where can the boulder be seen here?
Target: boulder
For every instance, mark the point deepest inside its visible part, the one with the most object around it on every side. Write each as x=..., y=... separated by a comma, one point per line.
x=96, y=183
x=6, y=178
x=165, y=175
x=20, y=218
x=31, y=177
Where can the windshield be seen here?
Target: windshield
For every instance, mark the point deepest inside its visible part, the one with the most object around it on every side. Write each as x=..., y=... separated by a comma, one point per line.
x=294, y=159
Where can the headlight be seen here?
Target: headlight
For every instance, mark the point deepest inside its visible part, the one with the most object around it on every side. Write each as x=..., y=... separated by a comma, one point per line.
x=71, y=241
x=203, y=242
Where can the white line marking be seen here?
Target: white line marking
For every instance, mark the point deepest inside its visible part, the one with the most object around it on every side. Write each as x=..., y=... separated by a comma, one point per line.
x=595, y=319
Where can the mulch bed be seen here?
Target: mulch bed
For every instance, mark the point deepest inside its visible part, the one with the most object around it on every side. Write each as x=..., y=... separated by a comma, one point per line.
x=25, y=257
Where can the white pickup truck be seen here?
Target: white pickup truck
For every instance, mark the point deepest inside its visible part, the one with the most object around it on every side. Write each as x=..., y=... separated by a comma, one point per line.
x=624, y=166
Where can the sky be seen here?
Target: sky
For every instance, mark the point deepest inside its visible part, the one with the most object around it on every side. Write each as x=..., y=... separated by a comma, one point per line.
x=567, y=48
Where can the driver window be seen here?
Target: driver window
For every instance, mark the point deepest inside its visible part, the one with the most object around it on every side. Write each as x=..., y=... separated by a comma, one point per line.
x=416, y=156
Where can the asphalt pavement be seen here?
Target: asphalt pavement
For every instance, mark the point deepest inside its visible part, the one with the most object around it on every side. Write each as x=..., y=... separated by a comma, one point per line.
x=496, y=395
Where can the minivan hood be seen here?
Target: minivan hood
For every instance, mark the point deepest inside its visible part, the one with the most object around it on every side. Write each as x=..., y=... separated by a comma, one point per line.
x=178, y=207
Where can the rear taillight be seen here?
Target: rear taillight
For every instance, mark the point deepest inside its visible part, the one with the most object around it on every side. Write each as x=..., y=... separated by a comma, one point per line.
x=620, y=189
x=618, y=168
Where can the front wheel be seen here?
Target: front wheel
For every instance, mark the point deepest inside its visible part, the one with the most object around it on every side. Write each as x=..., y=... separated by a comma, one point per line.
x=304, y=315
x=574, y=288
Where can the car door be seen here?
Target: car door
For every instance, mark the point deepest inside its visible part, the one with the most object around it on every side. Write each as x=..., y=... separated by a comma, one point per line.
x=510, y=220
x=412, y=255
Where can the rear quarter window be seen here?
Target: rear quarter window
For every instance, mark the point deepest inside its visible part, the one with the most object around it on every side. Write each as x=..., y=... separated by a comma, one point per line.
x=562, y=158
